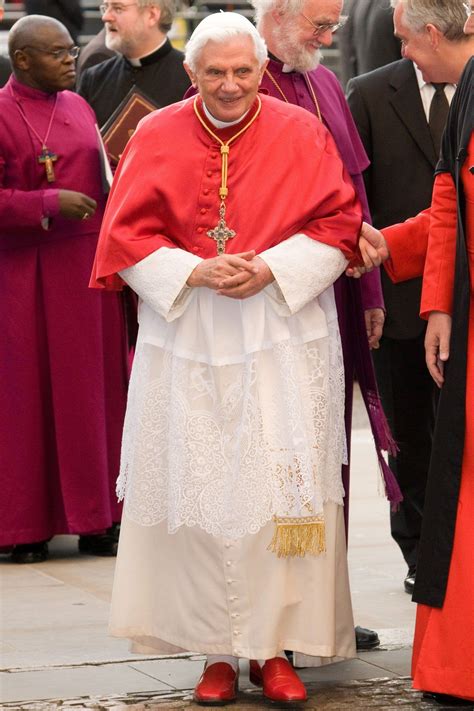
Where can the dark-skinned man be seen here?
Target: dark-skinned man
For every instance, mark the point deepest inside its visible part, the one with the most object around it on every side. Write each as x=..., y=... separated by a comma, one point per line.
x=65, y=385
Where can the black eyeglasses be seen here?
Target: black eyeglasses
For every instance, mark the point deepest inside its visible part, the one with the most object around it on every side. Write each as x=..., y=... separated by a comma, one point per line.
x=59, y=54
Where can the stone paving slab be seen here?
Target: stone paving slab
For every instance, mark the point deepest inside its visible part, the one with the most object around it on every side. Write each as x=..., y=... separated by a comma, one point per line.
x=379, y=694
x=176, y=675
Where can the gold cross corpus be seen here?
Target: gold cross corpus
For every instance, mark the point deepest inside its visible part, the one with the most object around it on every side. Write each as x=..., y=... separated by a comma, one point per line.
x=47, y=158
x=221, y=233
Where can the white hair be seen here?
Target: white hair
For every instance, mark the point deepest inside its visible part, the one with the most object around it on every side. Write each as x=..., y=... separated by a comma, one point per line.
x=220, y=27
x=448, y=16
x=263, y=7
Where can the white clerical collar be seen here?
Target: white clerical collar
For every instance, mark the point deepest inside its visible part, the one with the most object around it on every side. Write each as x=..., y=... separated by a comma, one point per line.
x=137, y=61
x=286, y=69
x=221, y=124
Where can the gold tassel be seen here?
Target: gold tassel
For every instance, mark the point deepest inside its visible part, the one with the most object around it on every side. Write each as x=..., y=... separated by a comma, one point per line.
x=298, y=536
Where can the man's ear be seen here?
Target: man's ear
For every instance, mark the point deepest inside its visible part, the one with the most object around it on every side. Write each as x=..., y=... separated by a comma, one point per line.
x=276, y=16
x=21, y=60
x=434, y=35
x=190, y=74
x=154, y=14
x=262, y=70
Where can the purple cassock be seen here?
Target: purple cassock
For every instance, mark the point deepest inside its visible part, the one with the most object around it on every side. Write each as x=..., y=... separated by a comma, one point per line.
x=63, y=353
x=321, y=87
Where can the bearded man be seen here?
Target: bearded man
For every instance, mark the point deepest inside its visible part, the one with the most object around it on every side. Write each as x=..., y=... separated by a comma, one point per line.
x=145, y=60
x=233, y=538
x=295, y=31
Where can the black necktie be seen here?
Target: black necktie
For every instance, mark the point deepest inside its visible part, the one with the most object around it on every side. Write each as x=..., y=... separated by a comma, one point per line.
x=439, y=108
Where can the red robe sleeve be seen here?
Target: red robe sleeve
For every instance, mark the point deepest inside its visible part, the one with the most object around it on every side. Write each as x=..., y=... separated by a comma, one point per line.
x=438, y=275
x=426, y=246
x=407, y=243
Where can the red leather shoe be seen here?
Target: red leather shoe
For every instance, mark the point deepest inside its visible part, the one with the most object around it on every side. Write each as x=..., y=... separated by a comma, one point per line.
x=217, y=686
x=280, y=681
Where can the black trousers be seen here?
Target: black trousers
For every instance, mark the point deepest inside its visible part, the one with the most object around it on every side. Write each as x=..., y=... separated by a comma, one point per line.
x=409, y=396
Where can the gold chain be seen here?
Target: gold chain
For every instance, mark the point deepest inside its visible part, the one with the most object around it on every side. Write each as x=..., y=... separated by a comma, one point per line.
x=223, y=190
x=308, y=84
x=221, y=232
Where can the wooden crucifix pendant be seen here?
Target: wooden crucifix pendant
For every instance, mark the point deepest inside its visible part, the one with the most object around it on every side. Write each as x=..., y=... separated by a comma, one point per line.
x=48, y=158
x=221, y=233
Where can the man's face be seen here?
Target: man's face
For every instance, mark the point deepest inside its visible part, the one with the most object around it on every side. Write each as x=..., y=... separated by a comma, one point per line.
x=227, y=77
x=126, y=27
x=297, y=43
x=43, y=69
x=418, y=47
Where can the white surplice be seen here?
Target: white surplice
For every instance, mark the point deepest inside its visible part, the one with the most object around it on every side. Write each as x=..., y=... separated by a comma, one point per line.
x=226, y=397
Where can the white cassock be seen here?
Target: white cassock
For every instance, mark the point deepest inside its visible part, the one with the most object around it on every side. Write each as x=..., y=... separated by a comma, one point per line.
x=235, y=416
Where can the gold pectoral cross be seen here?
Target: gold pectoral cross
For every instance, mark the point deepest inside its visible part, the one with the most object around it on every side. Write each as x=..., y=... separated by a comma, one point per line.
x=47, y=158
x=221, y=233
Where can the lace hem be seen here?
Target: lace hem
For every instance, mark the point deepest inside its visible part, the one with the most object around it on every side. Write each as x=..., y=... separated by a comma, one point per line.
x=226, y=448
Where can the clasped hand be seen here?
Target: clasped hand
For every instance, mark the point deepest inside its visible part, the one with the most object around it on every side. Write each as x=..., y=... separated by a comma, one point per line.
x=237, y=276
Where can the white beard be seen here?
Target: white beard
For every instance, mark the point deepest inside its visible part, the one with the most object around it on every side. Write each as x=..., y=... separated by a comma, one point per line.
x=297, y=57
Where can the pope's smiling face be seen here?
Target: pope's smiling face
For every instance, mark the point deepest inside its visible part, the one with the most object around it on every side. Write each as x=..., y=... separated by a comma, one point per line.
x=227, y=76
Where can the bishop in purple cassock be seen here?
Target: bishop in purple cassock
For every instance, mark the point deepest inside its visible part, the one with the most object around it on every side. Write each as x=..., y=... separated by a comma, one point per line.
x=294, y=37
x=63, y=356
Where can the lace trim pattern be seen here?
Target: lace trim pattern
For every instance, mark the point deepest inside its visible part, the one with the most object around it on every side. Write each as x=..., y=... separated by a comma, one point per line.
x=303, y=269
x=228, y=447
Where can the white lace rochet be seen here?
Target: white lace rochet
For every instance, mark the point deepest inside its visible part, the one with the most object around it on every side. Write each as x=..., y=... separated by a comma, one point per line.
x=236, y=408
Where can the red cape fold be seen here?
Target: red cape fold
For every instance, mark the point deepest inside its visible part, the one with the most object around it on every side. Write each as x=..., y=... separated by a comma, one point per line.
x=285, y=177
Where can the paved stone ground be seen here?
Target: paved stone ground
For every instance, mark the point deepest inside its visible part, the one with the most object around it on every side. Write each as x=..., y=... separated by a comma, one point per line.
x=55, y=652
x=380, y=694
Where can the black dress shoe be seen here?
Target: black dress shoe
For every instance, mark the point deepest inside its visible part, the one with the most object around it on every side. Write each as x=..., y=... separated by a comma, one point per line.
x=366, y=639
x=30, y=552
x=103, y=544
x=446, y=700
x=409, y=582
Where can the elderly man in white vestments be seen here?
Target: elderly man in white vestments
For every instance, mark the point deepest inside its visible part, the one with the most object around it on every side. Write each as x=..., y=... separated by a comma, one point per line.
x=232, y=541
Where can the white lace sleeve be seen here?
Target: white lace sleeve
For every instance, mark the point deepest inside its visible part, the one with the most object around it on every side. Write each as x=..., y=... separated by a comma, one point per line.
x=160, y=280
x=303, y=269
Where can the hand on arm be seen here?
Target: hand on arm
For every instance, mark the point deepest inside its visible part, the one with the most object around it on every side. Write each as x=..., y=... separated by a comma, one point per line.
x=374, y=320
x=437, y=338
x=373, y=249
x=76, y=206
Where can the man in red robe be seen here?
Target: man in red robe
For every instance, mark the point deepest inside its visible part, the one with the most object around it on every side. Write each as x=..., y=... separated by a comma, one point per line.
x=63, y=360
x=234, y=434
x=438, y=243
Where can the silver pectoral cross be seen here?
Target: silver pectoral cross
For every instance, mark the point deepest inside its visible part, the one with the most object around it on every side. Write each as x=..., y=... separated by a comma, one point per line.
x=221, y=233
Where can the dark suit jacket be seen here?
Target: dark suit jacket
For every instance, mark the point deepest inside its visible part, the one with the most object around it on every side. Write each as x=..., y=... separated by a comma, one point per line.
x=366, y=42
x=5, y=70
x=388, y=111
